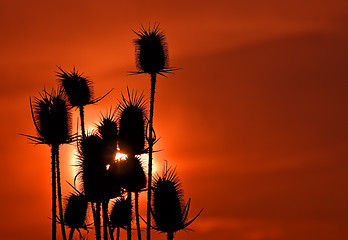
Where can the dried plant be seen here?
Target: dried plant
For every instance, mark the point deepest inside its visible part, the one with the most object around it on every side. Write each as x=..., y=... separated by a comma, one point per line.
x=53, y=123
x=168, y=209
x=79, y=90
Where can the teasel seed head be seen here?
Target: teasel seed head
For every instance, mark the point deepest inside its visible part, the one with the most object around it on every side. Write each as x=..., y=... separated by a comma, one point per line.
x=121, y=213
x=52, y=118
x=78, y=88
x=151, y=50
x=168, y=208
x=132, y=119
x=75, y=211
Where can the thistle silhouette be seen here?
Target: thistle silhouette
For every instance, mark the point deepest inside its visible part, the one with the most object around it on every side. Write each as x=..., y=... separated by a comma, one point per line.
x=168, y=208
x=151, y=58
x=79, y=90
x=121, y=215
x=132, y=119
x=52, y=122
x=75, y=212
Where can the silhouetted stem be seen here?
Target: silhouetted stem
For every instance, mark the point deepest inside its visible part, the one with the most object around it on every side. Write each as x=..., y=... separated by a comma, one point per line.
x=71, y=233
x=129, y=225
x=150, y=142
x=54, y=196
x=97, y=222
x=137, y=214
x=60, y=204
x=105, y=219
x=82, y=116
x=118, y=233
x=170, y=235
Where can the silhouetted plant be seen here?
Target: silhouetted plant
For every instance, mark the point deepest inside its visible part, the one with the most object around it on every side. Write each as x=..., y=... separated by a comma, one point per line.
x=52, y=122
x=169, y=211
x=121, y=215
x=79, y=90
x=132, y=119
x=151, y=58
x=107, y=129
x=75, y=213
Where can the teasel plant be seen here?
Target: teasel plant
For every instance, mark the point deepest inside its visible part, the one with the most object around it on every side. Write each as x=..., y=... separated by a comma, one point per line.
x=108, y=131
x=120, y=215
x=52, y=121
x=132, y=121
x=151, y=58
x=76, y=212
x=79, y=90
x=169, y=211
x=92, y=174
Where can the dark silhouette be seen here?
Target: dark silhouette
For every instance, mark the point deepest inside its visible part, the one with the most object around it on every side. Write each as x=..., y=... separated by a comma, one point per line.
x=79, y=90
x=151, y=58
x=52, y=122
x=101, y=176
x=168, y=208
x=121, y=215
x=132, y=142
x=75, y=212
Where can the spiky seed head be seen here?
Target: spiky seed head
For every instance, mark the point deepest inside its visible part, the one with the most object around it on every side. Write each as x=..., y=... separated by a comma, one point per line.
x=132, y=124
x=121, y=213
x=92, y=167
x=77, y=87
x=134, y=176
x=108, y=131
x=168, y=202
x=107, y=128
x=151, y=50
x=52, y=118
x=75, y=211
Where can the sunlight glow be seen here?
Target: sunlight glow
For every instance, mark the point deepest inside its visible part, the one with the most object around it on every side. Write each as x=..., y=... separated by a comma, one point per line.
x=120, y=156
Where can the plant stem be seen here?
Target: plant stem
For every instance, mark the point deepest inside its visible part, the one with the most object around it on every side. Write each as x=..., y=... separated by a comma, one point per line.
x=129, y=225
x=54, y=196
x=118, y=233
x=170, y=235
x=71, y=233
x=60, y=204
x=82, y=116
x=97, y=222
x=150, y=142
x=137, y=214
x=105, y=219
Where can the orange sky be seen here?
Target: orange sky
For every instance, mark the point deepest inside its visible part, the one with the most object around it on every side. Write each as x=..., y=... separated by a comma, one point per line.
x=256, y=121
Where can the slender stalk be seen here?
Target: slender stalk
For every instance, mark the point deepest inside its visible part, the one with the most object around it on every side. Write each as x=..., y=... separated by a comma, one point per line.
x=170, y=235
x=105, y=219
x=97, y=222
x=129, y=225
x=118, y=233
x=82, y=116
x=137, y=214
x=71, y=233
x=60, y=204
x=54, y=196
x=150, y=142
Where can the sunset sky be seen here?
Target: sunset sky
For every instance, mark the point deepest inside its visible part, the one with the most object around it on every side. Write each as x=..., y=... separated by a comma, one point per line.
x=255, y=122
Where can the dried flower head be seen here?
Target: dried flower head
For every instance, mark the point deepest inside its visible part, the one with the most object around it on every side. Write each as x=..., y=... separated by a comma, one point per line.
x=169, y=211
x=51, y=118
x=132, y=117
x=77, y=87
x=75, y=211
x=151, y=54
x=121, y=213
x=134, y=175
x=92, y=167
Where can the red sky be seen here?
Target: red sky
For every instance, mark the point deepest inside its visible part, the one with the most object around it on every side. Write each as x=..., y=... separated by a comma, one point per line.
x=256, y=121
